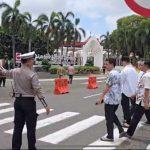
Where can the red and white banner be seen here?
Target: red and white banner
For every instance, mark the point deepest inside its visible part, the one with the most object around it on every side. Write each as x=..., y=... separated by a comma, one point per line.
x=18, y=57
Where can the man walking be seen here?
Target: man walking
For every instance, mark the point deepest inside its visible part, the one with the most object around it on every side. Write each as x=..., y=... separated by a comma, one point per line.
x=143, y=100
x=26, y=87
x=129, y=79
x=112, y=97
x=71, y=72
x=140, y=75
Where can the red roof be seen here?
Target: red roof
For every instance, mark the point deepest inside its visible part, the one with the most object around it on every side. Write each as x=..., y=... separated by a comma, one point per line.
x=76, y=44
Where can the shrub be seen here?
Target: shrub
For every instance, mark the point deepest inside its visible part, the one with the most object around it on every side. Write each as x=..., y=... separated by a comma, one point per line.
x=39, y=59
x=45, y=67
x=90, y=61
x=45, y=62
x=78, y=69
x=53, y=70
x=86, y=69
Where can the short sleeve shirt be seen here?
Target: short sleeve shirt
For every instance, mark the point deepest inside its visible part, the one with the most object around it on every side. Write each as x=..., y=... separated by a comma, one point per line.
x=146, y=78
x=144, y=83
x=113, y=97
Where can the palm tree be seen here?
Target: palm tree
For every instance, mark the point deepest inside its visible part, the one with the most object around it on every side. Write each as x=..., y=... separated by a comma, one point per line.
x=28, y=30
x=63, y=24
x=11, y=21
x=106, y=42
x=69, y=35
x=142, y=40
x=78, y=32
x=40, y=25
x=50, y=25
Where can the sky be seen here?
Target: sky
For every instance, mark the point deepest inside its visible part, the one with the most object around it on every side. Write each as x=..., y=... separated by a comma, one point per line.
x=96, y=16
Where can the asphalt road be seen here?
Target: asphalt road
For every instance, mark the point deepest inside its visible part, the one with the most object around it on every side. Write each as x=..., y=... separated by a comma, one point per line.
x=74, y=122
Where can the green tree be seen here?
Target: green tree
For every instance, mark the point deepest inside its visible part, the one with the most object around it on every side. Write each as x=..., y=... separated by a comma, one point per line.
x=28, y=30
x=78, y=32
x=11, y=21
x=64, y=22
x=106, y=42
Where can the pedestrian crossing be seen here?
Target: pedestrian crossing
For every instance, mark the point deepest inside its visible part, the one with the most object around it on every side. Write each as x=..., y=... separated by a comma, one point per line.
x=67, y=132
x=4, y=104
x=148, y=147
x=48, y=121
x=6, y=110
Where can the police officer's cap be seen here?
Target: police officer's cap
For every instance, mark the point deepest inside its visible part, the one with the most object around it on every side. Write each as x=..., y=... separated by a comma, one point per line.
x=28, y=55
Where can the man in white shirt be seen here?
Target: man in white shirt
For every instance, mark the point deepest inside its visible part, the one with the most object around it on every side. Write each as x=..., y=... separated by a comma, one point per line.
x=129, y=79
x=143, y=100
x=140, y=75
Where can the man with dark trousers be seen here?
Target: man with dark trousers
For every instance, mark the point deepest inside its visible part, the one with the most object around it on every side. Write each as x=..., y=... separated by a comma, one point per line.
x=112, y=98
x=143, y=101
x=142, y=69
x=129, y=79
x=26, y=87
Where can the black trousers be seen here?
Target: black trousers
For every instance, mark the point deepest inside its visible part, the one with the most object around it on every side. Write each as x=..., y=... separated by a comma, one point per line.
x=111, y=118
x=25, y=112
x=127, y=109
x=147, y=114
x=70, y=78
x=138, y=113
x=2, y=80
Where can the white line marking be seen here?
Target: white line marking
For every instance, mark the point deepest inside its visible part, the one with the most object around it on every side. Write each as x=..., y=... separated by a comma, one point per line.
x=6, y=110
x=48, y=121
x=4, y=104
x=40, y=111
x=87, y=82
x=117, y=140
x=69, y=131
x=11, y=119
x=91, y=96
x=92, y=148
x=6, y=120
x=75, y=78
x=148, y=147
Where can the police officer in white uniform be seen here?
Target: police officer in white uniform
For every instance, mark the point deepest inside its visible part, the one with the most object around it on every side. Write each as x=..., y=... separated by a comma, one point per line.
x=26, y=87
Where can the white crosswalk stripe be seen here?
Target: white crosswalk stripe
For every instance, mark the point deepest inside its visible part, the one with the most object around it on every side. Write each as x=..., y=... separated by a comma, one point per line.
x=4, y=104
x=92, y=148
x=6, y=110
x=117, y=141
x=55, y=137
x=49, y=121
x=67, y=132
x=10, y=119
x=148, y=147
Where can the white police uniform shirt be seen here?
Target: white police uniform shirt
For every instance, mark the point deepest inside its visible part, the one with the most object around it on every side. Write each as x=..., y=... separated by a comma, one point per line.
x=129, y=80
x=113, y=97
x=143, y=84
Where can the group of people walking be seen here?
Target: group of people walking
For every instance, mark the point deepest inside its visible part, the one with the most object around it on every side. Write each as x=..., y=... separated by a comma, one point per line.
x=132, y=88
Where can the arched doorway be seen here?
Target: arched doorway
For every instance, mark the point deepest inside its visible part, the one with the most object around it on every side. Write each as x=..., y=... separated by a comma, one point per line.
x=96, y=50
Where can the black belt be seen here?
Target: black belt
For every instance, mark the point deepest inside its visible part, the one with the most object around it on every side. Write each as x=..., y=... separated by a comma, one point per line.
x=24, y=98
x=21, y=95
